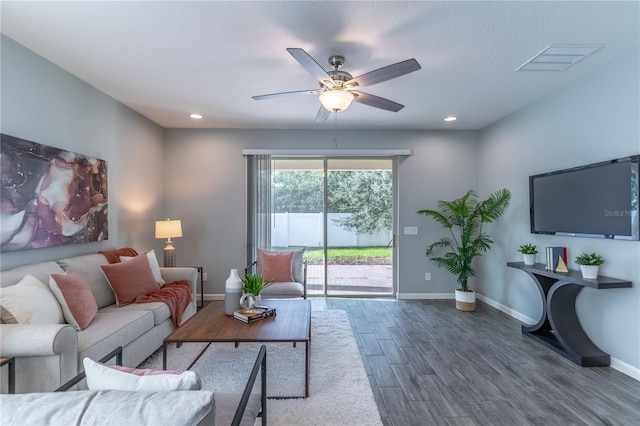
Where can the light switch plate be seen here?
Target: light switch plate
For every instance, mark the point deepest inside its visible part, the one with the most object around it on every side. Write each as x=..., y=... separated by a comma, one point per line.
x=410, y=230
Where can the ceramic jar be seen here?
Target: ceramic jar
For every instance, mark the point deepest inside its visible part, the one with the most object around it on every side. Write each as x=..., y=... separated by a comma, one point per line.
x=232, y=292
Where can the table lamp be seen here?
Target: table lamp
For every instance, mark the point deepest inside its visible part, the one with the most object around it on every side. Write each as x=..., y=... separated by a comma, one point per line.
x=169, y=229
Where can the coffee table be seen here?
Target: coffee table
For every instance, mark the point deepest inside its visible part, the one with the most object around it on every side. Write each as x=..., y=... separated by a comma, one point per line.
x=292, y=323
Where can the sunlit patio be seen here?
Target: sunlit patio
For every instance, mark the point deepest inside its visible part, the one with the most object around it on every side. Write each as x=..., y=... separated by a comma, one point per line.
x=373, y=280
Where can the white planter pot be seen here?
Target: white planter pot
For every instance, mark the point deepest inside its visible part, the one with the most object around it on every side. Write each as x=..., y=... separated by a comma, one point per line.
x=589, y=271
x=529, y=259
x=466, y=300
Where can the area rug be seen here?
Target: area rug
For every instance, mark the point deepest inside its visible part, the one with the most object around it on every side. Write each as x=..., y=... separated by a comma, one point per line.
x=339, y=388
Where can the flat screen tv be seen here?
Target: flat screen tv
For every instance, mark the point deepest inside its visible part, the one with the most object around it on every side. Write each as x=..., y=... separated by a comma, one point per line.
x=597, y=200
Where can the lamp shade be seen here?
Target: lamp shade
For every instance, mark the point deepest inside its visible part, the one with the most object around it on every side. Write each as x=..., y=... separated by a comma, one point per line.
x=336, y=100
x=168, y=228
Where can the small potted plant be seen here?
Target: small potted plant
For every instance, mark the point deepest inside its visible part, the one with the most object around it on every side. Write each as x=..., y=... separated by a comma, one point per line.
x=253, y=284
x=529, y=252
x=589, y=264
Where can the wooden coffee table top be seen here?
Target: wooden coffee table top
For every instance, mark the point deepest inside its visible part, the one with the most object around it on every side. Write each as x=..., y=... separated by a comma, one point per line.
x=292, y=323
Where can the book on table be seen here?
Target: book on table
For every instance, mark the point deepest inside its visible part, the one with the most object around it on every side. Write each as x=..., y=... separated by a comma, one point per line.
x=255, y=314
x=557, y=259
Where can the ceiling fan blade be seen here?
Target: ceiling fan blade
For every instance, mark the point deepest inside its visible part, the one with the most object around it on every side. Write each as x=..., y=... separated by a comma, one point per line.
x=278, y=95
x=323, y=114
x=386, y=73
x=309, y=63
x=376, y=101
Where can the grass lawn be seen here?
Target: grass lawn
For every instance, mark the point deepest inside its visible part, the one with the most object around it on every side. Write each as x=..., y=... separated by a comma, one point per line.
x=350, y=255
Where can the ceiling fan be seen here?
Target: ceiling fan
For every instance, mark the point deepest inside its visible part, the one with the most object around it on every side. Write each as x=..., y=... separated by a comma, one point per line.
x=338, y=88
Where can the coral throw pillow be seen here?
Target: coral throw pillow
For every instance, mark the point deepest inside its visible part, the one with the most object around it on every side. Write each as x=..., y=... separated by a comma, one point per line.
x=153, y=263
x=276, y=267
x=75, y=297
x=131, y=279
x=113, y=377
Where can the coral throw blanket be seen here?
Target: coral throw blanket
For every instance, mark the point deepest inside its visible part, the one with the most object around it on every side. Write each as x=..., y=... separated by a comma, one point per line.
x=176, y=294
x=113, y=256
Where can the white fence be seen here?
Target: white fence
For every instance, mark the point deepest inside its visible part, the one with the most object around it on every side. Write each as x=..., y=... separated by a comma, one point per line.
x=306, y=230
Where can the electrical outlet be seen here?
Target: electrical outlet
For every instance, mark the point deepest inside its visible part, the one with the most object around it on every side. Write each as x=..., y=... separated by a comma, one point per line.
x=204, y=276
x=410, y=230
x=427, y=276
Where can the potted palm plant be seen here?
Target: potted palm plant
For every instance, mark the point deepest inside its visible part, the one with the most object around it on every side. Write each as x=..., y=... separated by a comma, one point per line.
x=464, y=218
x=529, y=252
x=589, y=264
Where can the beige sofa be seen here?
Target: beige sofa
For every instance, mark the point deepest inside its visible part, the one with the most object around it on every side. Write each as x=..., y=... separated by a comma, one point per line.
x=48, y=355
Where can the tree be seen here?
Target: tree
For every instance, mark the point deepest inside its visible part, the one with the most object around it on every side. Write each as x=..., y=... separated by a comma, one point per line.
x=366, y=195
x=297, y=191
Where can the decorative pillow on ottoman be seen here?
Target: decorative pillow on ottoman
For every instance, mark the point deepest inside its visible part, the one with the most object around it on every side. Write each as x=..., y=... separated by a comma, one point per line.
x=130, y=279
x=75, y=297
x=114, y=377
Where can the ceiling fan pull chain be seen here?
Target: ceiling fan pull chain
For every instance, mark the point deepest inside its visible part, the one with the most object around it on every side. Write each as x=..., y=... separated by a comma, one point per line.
x=335, y=128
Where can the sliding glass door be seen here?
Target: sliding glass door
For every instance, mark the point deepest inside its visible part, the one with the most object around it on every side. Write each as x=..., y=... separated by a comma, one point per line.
x=359, y=224
x=298, y=204
x=341, y=210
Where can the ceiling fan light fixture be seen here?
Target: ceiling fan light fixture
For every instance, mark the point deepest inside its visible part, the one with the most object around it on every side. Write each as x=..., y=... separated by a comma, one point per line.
x=336, y=100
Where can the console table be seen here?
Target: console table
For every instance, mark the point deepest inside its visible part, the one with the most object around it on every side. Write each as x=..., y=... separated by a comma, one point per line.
x=559, y=328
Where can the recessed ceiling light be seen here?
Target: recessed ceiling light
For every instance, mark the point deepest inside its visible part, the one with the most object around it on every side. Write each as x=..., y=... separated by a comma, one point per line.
x=451, y=118
x=196, y=116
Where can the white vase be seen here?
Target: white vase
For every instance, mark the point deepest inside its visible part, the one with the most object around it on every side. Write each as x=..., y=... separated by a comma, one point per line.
x=232, y=292
x=466, y=300
x=529, y=259
x=589, y=271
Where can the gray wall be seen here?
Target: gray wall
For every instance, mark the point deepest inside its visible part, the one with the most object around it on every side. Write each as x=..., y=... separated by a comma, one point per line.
x=205, y=188
x=43, y=103
x=593, y=120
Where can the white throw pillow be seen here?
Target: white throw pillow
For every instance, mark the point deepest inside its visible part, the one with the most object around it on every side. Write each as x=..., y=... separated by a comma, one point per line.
x=153, y=262
x=104, y=377
x=29, y=302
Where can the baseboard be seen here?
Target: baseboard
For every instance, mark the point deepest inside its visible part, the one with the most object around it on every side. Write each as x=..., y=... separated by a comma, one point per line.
x=507, y=310
x=625, y=368
x=212, y=296
x=425, y=296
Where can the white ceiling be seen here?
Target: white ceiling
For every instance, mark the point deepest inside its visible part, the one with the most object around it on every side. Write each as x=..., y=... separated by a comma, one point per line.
x=169, y=59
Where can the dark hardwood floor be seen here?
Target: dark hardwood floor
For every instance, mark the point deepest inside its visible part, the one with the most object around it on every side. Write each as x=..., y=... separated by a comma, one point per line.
x=430, y=364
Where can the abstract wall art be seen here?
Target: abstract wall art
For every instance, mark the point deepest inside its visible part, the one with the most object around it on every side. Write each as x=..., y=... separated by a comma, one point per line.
x=50, y=197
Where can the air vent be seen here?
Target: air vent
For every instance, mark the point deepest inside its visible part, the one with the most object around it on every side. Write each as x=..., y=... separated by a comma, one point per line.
x=558, y=57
